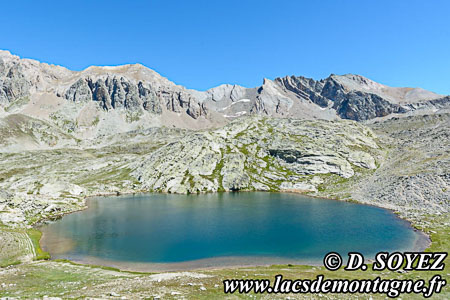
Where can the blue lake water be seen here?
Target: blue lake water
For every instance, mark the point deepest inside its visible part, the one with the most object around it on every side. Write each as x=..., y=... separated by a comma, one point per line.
x=256, y=227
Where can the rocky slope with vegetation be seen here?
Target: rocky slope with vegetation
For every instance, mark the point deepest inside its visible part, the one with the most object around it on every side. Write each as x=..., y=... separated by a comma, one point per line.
x=260, y=154
x=338, y=159
x=66, y=136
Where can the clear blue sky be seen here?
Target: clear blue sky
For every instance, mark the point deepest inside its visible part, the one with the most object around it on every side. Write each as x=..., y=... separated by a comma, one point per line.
x=201, y=44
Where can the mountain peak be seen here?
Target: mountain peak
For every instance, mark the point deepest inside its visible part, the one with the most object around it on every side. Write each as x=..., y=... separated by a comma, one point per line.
x=5, y=53
x=136, y=89
x=354, y=82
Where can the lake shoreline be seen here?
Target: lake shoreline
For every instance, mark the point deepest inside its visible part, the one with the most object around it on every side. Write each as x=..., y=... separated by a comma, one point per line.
x=214, y=263
x=421, y=243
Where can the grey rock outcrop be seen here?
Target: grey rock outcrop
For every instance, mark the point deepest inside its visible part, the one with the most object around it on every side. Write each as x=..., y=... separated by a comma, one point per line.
x=13, y=84
x=415, y=176
x=79, y=92
x=306, y=88
x=115, y=92
x=256, y=153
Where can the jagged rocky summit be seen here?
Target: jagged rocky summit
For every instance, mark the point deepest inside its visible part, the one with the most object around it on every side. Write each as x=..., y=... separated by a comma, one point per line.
x=132, y=96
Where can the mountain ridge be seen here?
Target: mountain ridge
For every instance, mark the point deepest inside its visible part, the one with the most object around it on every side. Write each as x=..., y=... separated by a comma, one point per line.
x=141, y=97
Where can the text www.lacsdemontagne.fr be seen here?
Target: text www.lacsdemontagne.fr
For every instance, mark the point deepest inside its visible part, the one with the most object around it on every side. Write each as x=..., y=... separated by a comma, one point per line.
x=389, y=287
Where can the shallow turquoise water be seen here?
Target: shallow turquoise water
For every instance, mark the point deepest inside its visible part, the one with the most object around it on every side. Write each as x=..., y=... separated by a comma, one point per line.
x=161, y=228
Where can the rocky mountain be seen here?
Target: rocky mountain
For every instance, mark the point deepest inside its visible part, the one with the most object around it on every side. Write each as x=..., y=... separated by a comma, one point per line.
x=349, y=96
x=130, y=86
x=100, y=101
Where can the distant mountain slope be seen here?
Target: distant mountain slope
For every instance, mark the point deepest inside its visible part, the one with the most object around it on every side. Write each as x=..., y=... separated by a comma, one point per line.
x=107, y=100
x=348, y=97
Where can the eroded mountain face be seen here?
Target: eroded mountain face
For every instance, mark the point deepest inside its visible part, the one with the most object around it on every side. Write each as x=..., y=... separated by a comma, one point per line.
x=47, y=106
x=348, y=97
x=13, y=83
x=114, y=92
x=130, y=87
x=139, y=90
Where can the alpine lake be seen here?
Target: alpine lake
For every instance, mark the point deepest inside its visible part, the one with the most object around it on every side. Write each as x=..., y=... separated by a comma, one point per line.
x=156, y=232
